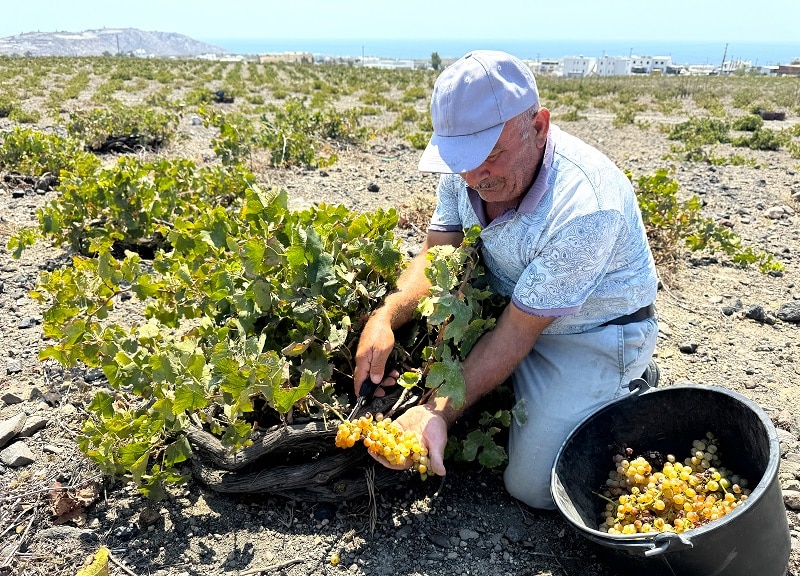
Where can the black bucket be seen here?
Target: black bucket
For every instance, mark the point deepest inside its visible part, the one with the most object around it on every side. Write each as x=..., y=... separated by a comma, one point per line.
x=752, y=539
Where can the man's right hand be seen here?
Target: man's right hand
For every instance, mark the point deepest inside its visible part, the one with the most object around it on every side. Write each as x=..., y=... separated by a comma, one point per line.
x=377, y=338
x=374, y=347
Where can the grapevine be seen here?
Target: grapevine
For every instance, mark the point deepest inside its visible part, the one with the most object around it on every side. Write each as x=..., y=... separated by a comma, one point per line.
x=248, y=322
x=678, y=497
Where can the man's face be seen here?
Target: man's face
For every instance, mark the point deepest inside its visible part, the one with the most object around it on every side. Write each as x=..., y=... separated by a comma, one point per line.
x=508, y=171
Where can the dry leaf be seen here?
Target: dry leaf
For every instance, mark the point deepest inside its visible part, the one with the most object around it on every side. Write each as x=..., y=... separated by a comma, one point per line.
x=68, y=504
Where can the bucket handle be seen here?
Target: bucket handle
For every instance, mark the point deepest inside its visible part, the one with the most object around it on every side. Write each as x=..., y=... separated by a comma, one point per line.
x=638, y=386
x=668, y=542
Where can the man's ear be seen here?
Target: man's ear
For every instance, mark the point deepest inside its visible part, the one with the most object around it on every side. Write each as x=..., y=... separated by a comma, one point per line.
x=541, y=123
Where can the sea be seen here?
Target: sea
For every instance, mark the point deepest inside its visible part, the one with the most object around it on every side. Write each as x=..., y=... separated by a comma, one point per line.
x=758, y=54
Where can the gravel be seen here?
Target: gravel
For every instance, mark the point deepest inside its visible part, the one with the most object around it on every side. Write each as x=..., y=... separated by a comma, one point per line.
x=720, y=325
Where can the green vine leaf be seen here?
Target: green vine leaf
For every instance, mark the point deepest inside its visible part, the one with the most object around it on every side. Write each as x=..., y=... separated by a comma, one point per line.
x=189, y=397
x=177, y=452
x=284, y=399
x=446, y=376
x=481, y=445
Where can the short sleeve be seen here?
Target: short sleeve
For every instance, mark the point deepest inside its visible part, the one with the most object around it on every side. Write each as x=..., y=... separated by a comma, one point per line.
x=446, y=216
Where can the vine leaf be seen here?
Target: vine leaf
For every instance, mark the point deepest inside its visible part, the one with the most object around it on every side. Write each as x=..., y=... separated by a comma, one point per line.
x=446, y=376
x=284, y=399
x=491, y=455
x=189, y=397
x=178, y=451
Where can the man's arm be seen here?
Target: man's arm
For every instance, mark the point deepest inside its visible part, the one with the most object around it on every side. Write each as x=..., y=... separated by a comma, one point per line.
x=377, y=338
x=495, y=356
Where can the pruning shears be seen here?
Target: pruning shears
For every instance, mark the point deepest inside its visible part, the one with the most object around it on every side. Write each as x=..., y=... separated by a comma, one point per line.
x=365, y=394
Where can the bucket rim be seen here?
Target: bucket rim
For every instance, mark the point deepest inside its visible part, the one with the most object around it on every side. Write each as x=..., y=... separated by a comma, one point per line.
x=647, y=539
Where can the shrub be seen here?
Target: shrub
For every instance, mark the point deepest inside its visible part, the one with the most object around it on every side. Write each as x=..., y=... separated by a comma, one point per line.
x=749, y=123
x=22, y=116
x=762, y=139
x=35, y=154
x=418, y=140
x=7, y=104
x=699, y=131
x=123, y=127
x=672, y=223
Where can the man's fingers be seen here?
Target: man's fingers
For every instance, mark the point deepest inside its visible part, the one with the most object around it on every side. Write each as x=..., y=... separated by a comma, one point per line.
x=404, y=466
x=389, y=380
x=437, y=465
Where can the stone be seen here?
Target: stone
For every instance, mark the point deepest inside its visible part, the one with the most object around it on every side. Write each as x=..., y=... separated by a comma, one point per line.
x=149, y=516
x=775, y=212
x=791, y=484
x=59, y=534
x=756, y=312
x=790, y=468
x=13, y=366
x=790, y=312
x=11, y=398
x=791, y=498
x=515, y=534
x=33, y=424
x=17, y=455
x=27, y=323
x=439, y=540
x=10, y=427
x=786, y=437
x=467, y=534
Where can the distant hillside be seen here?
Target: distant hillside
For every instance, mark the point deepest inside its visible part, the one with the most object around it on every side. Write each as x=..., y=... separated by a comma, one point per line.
x=106, y=41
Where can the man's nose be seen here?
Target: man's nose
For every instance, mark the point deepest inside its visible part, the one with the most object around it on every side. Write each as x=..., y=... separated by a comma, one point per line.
x=473, y=177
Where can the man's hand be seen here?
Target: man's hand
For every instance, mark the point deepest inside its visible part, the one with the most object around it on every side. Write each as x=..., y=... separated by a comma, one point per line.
x=377, y=338
x=432, y=428
x=374, y=346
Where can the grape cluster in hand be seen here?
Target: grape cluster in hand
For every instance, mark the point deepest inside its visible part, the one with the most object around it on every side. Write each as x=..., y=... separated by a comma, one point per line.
x=385, y=438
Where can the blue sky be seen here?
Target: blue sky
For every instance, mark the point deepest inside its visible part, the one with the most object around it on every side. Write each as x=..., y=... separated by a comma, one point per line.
x=774, y=21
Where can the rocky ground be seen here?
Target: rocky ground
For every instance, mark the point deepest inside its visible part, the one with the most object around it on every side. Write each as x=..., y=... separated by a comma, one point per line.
x=719, y=325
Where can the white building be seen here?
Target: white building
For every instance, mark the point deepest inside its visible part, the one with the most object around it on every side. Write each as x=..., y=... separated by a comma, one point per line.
x=701, y=69
x=387, y=63
x=650, y=64
x=287, y=57
x=734, y=65
x=766, y=70
x=579, y=66
x=614, y=66
x=545, y=67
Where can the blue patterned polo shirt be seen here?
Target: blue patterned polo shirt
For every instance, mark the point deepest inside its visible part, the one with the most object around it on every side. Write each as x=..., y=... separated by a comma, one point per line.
x=575, y=248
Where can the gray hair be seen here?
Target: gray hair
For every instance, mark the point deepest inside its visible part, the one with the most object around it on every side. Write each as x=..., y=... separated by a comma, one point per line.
x=524, y=121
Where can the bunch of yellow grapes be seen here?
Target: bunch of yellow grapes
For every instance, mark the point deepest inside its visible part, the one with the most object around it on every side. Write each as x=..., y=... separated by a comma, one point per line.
x=677, y=498
x=386, y=438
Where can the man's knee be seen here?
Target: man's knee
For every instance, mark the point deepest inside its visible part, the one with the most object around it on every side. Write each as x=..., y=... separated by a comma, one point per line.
x=530, y=490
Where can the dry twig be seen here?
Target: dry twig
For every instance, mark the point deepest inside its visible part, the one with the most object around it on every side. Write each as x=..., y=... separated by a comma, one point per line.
x=117, y=562
x=15, y=548
x=272, y=567
x=369, y=474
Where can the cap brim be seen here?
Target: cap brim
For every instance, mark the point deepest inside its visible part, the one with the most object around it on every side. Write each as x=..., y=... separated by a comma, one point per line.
x=457, y=154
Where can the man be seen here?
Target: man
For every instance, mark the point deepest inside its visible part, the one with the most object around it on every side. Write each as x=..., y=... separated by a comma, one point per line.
x=562, y=236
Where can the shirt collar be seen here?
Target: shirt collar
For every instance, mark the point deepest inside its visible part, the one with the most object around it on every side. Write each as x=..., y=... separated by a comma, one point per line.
x=539, y=187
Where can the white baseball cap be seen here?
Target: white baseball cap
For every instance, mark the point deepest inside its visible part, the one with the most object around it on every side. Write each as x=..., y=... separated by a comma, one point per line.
x=472, y=100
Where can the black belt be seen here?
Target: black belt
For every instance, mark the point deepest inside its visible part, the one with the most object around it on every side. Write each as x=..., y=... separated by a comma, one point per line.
x=638, y=316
